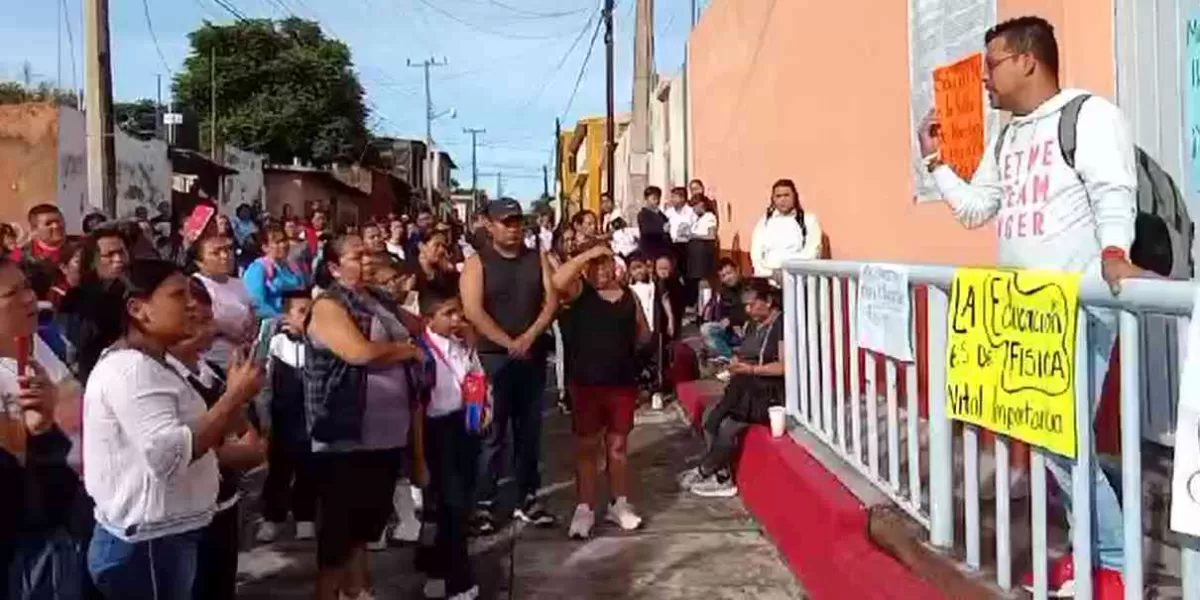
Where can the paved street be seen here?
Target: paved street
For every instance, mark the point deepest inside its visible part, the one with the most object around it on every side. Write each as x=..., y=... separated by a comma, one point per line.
x=689, y=548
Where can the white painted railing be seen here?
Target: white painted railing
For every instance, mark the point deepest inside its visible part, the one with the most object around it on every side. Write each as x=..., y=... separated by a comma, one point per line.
x=913, y=460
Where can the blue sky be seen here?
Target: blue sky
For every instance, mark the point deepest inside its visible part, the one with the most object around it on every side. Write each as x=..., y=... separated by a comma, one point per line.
x=501, y=74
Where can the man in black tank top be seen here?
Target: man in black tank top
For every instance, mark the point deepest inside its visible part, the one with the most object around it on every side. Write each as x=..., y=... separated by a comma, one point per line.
x=509, y=297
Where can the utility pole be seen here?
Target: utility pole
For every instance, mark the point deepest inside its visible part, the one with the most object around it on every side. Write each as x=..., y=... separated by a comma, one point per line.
x=545, y=182
x=429, y=118
x=474, y=166
x=639, y=134
x=610, y=130
x=101, y=154
x=499, y=185
x=158, y=107
x=687, y=103
x=212, y=68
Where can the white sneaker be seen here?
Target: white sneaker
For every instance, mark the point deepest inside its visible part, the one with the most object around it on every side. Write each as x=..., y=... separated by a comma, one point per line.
x=418, y=499
x=581, y=523
x=407, y=532
x=268, y=532
x=470, y=594
x=621, y=514
x=435, y=588
x=379, y=544
x=306, y=530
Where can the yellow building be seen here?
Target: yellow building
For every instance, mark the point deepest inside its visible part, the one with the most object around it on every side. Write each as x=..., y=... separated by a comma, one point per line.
x=583, y=162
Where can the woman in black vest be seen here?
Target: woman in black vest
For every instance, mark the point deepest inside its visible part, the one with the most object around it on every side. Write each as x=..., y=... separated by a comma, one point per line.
x=217, y=555
x=605, y=326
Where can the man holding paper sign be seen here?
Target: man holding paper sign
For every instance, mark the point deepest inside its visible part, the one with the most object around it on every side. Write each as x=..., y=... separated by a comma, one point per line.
x=1062, y=206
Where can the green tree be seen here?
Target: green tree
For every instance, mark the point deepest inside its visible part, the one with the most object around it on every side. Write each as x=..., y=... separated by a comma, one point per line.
x=12, y=92
x=282, y=89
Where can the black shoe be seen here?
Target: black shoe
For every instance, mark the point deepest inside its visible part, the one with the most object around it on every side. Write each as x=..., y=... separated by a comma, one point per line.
x=535, y=514
x=482, y=523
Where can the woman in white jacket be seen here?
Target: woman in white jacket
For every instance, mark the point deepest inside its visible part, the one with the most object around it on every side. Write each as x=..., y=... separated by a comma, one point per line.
x=786, y=231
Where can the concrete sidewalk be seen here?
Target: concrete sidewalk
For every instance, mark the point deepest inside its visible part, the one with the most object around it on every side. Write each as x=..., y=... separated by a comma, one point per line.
x=688, y=548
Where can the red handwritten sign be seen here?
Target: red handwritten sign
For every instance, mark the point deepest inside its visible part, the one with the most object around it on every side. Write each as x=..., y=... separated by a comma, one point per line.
x=958, y=96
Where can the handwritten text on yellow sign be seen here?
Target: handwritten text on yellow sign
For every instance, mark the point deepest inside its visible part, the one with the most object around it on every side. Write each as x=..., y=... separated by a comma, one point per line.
x=1010, y=355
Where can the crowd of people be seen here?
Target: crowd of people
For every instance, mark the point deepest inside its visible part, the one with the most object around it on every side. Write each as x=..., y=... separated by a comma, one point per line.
x=378, y=372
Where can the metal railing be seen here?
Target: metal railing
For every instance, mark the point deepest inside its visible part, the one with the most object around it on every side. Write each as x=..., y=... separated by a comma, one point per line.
x=913, y=459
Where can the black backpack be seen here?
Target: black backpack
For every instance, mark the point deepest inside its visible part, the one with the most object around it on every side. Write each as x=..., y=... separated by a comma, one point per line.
x=1163, y=231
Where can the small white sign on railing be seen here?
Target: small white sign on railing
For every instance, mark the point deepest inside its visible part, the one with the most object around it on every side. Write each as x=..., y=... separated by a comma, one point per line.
x=883, y=311
x=1185, y=481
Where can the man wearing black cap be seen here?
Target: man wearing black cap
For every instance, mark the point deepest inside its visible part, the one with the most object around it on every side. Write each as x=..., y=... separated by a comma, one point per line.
x=509, y=297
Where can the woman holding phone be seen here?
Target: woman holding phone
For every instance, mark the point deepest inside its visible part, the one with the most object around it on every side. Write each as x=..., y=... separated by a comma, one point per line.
x=242, y=449
x=150, y=441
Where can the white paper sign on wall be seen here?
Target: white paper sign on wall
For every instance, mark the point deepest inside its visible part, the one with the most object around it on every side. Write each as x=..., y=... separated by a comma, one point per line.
x=884, y=311
x=1185, y=481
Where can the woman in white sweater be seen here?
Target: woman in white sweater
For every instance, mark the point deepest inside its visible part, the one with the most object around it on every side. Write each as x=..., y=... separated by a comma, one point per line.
x=148, y=443
x=785, y=232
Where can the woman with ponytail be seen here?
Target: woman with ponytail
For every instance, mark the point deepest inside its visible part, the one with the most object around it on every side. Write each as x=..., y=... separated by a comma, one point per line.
x=785, y=232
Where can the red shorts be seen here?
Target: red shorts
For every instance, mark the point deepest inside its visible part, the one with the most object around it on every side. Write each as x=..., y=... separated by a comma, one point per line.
x=603, y=408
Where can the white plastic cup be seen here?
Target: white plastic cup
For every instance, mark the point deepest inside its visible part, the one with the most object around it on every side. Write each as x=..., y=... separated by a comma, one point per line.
x=778, y=416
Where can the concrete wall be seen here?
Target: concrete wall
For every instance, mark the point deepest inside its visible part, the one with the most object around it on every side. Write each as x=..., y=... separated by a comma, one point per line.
x=143, y=176
x=300, y=191
x=28, y=160
x=667, y=139
x=818, y=92
x=247, y=186
x=72, y=170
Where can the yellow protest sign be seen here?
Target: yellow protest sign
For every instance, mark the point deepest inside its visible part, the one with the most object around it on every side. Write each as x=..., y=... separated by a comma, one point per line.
x=1010, y=354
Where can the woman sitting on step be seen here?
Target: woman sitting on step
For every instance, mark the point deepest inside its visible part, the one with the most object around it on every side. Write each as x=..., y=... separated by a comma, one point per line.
x=755, y=386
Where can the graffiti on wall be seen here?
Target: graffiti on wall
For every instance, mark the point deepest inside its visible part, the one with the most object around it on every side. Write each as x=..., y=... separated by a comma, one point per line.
x=143, y=177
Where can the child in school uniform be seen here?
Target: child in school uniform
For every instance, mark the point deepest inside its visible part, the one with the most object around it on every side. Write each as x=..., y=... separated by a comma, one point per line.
x=654, y=298
x=454, y=426
x=289, y=485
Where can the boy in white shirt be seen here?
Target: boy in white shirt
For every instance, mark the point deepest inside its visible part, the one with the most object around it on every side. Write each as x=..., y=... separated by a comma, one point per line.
x=452, y=444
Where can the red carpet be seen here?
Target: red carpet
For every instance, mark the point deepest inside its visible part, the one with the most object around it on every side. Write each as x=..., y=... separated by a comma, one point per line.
x=817, y=524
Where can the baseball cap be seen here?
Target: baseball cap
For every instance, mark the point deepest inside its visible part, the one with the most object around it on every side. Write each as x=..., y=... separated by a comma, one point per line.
x=504, y=208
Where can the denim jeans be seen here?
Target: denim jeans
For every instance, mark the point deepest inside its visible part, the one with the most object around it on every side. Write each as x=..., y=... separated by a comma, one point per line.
x=518, y=388
x=718, y=339
x=158, y=569
x=1107, y=524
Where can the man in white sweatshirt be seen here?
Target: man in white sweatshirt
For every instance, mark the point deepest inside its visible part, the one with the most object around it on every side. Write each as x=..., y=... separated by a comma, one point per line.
x=1049, y=215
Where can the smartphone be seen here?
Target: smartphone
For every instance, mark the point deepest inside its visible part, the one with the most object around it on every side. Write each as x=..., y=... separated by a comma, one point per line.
x=24, y=353
x=262, y=342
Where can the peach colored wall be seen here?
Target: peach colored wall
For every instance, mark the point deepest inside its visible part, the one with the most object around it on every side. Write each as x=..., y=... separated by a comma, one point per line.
x=28, y=159
x=817, y=91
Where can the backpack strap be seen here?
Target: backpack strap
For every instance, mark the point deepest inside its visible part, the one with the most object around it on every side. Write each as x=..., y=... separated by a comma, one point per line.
x=1068, y=125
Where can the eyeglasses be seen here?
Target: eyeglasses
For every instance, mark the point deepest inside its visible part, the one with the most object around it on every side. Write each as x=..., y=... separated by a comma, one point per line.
x=991, y=65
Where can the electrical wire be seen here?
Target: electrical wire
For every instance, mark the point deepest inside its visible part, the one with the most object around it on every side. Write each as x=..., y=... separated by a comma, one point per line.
x=70, y=44
x=583, y=67
x=562, y=61
x=481, y=29
x=154, y=37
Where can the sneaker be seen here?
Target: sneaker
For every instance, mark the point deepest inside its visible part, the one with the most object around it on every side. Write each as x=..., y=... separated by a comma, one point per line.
x=435, y=589
x=620, y=513
x=482, y=523
x=470, y=594
x=305, y=530
x=418, y=499
x=1060, y=578
x=689, y=478
x=407, y=532
x=379, y=544
x=535, y=514
x=268, y=532
x=581, y=523
x=714, y=487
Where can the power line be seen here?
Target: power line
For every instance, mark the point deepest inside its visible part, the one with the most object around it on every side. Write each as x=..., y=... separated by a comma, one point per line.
x=481, y=29
x=536, y=15
x=154, y=37
x=562, y=61
x=583, y=67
